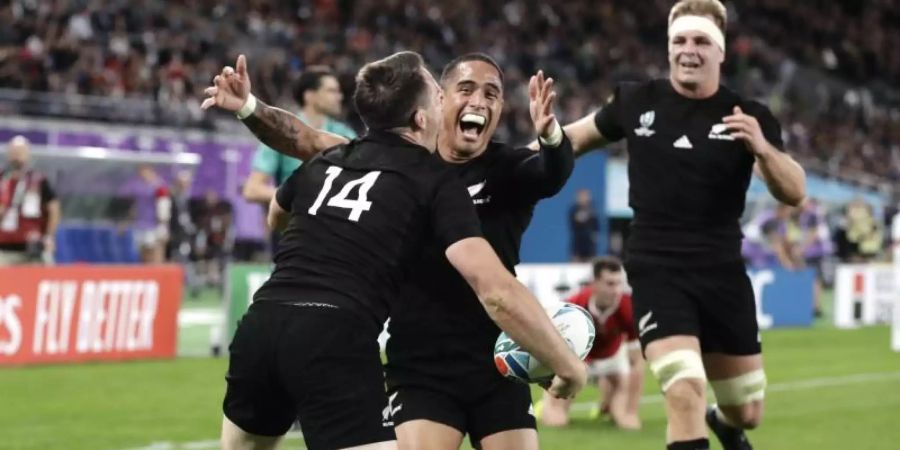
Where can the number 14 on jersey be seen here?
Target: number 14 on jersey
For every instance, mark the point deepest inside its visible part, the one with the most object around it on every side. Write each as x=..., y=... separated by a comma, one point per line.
x=340, y=200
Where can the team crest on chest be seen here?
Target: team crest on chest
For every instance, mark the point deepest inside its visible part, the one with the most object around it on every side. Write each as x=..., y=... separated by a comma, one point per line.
x=475, y=192
x=646, y=120
x=719, y=132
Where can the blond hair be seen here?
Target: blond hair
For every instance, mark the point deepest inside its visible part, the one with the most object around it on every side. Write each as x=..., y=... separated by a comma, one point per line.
x=711, y=8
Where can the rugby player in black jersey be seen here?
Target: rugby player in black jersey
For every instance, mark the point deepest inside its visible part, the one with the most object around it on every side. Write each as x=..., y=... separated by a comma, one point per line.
x=693, y=145
x=441, y=377
x=357, y=217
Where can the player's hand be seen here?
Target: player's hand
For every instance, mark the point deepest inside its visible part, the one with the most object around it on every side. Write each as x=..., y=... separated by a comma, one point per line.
x=567, y=386
x=541, y=96
x=747, y=129
x=230, y=88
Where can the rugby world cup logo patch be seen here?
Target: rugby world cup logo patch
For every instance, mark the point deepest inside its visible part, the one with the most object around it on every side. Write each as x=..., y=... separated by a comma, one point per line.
x=646, y=121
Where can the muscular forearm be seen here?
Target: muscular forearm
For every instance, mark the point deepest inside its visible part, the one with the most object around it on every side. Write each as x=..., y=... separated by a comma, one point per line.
x=785, y=178
x=283, y=131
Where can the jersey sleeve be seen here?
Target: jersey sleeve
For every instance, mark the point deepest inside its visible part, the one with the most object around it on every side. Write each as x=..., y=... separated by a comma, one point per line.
x=768, y=123
x=265, y=160
x=287, y=191
x=627, y=312
x=609, y=118
x=452, y=213
x=543, y=173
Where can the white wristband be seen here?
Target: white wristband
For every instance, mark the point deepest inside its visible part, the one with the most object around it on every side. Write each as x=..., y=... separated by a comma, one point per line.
x=556, y=136
x=248, y=108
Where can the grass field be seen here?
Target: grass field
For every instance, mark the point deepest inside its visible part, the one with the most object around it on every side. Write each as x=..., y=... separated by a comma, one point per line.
x=830, y=389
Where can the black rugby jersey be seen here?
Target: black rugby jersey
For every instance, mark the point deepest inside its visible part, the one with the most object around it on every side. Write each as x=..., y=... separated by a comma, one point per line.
x=688, y=178
x=437, y=313
x=360, y=215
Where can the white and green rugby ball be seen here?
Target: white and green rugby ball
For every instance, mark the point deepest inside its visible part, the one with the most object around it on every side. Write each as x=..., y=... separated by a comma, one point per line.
x=574, y=324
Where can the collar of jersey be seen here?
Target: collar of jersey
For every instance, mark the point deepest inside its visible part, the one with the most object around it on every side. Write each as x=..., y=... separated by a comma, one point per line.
x=391, y=139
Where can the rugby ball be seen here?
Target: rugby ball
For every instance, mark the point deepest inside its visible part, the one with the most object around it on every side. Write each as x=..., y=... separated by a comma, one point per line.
x=575, y=325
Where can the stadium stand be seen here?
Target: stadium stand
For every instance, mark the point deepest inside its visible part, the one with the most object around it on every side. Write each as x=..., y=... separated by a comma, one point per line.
x=146, y=61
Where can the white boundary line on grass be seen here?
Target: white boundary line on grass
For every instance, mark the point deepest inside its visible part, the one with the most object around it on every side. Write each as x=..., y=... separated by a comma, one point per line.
x=801, y=385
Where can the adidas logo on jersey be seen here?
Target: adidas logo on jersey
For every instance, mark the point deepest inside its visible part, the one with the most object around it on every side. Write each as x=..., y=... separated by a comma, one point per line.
x=719, y=132
x=646, y=120
x=683, y=142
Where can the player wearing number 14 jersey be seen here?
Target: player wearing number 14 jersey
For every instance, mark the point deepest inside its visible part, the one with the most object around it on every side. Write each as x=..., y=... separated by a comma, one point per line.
x=356, y=217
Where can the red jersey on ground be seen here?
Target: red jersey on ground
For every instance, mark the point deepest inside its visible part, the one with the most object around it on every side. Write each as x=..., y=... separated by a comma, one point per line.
x=613, y=324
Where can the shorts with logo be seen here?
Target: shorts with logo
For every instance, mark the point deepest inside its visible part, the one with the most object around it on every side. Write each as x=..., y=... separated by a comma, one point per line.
x=506, y=406
x=317, y=363
x=714, y=303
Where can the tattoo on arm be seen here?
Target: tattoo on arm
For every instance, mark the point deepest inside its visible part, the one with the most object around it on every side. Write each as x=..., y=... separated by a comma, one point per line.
x=281, y=130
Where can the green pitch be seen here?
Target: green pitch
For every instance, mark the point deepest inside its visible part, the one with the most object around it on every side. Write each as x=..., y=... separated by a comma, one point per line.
x=830, y=389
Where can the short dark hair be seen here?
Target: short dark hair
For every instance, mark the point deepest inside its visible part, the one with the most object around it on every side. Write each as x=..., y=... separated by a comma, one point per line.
x=608, y=264
x=389, y=90
x=310, y=80
x=452, y=65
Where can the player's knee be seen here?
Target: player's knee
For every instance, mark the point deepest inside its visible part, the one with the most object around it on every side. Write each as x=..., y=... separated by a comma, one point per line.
x=687, y=395
x=682, y=378
x=740, y=398
x=679, y=365
x=746, y=417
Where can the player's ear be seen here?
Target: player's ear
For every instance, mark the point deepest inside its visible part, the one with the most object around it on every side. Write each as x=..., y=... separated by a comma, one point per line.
x=419, y=120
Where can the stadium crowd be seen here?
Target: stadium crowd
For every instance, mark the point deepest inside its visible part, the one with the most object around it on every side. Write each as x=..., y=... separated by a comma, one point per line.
x=811, y=55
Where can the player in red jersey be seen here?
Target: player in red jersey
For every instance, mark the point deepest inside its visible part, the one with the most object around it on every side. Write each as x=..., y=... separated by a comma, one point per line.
x=615, y=360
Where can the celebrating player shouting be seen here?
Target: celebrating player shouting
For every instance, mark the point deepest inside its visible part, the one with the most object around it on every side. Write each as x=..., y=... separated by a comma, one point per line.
x=693, y=145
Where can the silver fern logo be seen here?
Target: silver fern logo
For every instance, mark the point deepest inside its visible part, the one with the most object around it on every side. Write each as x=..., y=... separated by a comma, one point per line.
x=646, y=120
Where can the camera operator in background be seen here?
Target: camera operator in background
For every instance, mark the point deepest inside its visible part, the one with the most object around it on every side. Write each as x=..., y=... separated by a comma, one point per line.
x=29, y=209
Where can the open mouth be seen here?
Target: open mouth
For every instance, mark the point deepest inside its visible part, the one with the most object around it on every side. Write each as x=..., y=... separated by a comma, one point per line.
x=472, y=125
x=690, y=64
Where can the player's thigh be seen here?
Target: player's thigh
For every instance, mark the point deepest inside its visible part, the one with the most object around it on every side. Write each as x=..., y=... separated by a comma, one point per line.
x=234, y=438
x=426, y=409
x=727, y=310
x=329, y=362
x=617, y=364
x=662, y=301
x=521, y=439
x=426, y=434
x=425, y=417
x=386, y=445
x=255, y=400
x=506, y=408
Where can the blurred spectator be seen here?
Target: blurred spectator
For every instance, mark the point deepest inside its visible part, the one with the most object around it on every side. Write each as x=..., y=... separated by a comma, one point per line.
x=150, y=213
x=792, y=238
x=584, y=227
x=181, y=225
x=823, y=66
x=215, y=237
x=864, y=233
x=29, y=209
x=816, y=245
